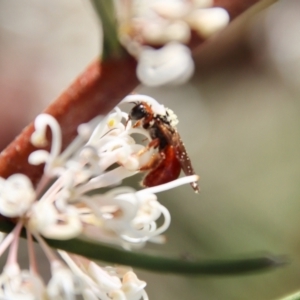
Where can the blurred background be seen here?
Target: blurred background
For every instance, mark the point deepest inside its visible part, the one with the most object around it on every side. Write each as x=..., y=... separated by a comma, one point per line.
x=239, y=119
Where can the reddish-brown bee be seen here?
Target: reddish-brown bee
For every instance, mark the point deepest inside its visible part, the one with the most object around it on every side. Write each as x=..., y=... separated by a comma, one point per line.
x=166, y=165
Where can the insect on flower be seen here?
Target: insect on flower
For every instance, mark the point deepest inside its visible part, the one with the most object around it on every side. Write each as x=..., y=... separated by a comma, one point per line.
x=166, y=164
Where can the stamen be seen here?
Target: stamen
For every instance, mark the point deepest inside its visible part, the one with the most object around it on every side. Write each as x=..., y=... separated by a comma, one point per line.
x=10, y=237
x=169, y=185
x=31, y=254
x=39, y=136
x=109, y=178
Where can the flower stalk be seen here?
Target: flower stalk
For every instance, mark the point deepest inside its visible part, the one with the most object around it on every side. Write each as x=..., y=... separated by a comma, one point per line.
x=204, y=267
x=111, y=45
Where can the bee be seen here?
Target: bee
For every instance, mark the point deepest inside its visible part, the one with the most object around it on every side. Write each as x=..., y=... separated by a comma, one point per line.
x=172, y=157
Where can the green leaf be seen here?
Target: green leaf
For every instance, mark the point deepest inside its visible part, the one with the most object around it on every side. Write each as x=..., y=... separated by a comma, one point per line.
x=102, y=252
x=155, y=263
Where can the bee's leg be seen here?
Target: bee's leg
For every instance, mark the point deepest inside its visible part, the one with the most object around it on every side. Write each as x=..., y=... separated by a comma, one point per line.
x=148, y=119
x=153, y=144
x=137, y=124
x=153, y=162
x=127, y=121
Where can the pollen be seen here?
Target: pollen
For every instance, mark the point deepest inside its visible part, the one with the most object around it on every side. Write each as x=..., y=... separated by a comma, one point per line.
x=172, y=118
x=111, y=123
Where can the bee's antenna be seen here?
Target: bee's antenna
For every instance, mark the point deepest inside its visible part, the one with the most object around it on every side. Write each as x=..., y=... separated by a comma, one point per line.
x=129, y=118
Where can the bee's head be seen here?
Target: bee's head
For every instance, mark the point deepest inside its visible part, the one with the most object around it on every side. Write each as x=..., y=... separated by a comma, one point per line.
x=140, y=111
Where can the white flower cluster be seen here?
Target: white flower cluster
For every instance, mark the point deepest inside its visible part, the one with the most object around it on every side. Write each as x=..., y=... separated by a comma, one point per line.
x=71, y=276
x=168, y=23
x=70, y=201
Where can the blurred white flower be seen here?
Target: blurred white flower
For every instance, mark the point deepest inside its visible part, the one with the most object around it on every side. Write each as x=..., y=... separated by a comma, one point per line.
x=64, y=284
x=208, y=21
x=16, y=195
x=127, y=217
x=105, y=283
x=132, y=287
x=20, y=284
x=172, y=64
x=168, y=24
x=162, y=32
x=47, y=220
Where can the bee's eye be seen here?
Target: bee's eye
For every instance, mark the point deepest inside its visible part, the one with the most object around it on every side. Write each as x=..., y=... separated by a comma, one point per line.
x=138, y=112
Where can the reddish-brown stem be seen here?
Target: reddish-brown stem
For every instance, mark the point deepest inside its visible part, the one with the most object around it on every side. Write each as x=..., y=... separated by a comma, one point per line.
x=96, y=91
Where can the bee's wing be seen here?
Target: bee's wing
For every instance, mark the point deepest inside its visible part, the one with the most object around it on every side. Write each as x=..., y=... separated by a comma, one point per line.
x=185, y=162
x=173, y=138
x=182, y=155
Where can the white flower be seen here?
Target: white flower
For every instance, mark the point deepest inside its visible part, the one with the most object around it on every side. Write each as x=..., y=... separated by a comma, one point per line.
x=172, y=64
x=127, y=216
x=54, y=160
x=163, y=22
x=110, y=142
x=132, y=288
x=105, y=283
x=162, y=32
x=16, y=284
x=101, y=158
x=152, y=20
x=209, y=20
x=38, y=139
x=171, y=9
x=16, y=195
x=89, y=286
x=64, y=284
x=69, y=202
x=47, y=220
